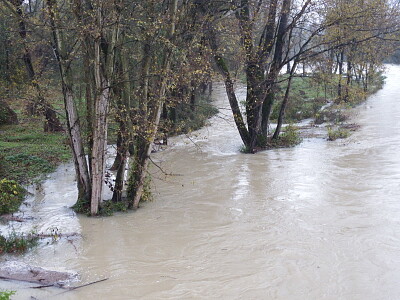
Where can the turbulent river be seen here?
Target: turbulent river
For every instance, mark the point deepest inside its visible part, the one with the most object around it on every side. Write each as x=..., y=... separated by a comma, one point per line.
x=317, y=221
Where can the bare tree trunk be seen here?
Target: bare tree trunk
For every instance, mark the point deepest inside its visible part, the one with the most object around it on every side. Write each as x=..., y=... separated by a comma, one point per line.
x=276, y=65
x=74, y=130
x=340, y=66
x=73, y=124
x=99, y=144
x=120, y=161
x=284, y=103
x=123, y=102
x=348, y=79
x=237, y=114
x=230, y=91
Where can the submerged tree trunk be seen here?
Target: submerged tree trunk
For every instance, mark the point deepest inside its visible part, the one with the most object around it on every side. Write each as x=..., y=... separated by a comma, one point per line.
x=150, y=107
x=74, y=130
x=99, y=145
x=230, y=91
x=122, y=95
x=285, y=101
x=254, y=103
x=234, y=104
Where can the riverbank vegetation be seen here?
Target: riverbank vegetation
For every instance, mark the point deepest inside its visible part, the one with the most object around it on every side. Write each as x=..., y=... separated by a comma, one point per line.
x=27, y=152
x=17, y=243
x=6, y=295
x=11, y=196
x=135, y=72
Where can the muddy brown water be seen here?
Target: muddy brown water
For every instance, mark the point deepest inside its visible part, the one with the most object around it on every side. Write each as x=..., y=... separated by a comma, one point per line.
x=318, y=221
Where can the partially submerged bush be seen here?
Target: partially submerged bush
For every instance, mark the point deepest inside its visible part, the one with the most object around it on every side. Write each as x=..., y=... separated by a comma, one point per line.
x=340, y=133
x=332, y=114
x=17, y=243
x=289, y=138
x=11, y=196
x=244, y=149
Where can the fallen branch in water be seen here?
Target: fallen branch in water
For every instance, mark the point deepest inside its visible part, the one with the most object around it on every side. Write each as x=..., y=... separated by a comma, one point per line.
x=12, y=218
x=57, y=235
x=68, y=289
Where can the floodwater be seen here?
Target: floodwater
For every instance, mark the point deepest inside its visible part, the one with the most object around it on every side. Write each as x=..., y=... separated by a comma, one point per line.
x=317, y=221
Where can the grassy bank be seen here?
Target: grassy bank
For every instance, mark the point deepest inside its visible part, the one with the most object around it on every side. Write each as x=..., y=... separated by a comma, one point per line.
x=27, y=153
x=306, y=98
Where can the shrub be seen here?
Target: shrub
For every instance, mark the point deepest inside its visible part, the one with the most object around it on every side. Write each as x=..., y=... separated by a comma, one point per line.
x=11, y=196
x=337, y=134
x=289, y=138
x=17, y=243
x=6, y=295
x=244, y=149
x=7, y=115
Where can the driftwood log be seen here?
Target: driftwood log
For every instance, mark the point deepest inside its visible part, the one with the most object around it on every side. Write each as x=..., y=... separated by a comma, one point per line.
x=12, y=270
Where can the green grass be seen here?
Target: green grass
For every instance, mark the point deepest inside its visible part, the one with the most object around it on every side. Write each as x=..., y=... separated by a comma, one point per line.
x=26, y=152
x=305, y=99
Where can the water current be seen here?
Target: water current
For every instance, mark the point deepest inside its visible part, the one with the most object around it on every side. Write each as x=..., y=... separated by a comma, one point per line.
x=317, y=221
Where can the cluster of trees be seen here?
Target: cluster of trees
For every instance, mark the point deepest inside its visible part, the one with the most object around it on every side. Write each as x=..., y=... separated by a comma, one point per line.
x=136, y=61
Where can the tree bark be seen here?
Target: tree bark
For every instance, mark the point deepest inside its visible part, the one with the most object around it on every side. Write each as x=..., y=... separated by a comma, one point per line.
x=143, y=150
x=230, y=91
x=73, y=124
x=276, y=65
x=285, y=101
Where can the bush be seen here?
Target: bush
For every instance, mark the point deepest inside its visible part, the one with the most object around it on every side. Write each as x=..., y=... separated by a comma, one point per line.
x=7, y=115
x=6, y=295
x=11, y=196
x=337, y=134
x=289, y=138
x=17, y=243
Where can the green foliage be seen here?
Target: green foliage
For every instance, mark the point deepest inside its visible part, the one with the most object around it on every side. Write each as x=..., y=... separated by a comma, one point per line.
x=17, y=243
x=28, y=152
x=305, y=99
x=340, y=133
x=189, y=120
x=332, y=114
x=244, y=149
x=11, y=196
x=262, y=141
x=23, y=161
x=289, y=138
x=6, y=295
x=147, y=196
x=82, y=206
x=108, y=208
